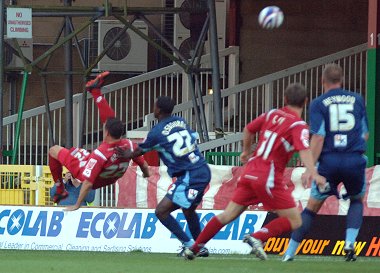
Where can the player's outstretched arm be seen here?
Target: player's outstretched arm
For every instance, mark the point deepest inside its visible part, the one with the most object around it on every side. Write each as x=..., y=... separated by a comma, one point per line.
x=127, y=153
x=316, y=145
x=308, y=160
x=85, y=189
x=123, y=153
x=145, y=169
x=366, y=136
x=247, y=146
x=90, y=197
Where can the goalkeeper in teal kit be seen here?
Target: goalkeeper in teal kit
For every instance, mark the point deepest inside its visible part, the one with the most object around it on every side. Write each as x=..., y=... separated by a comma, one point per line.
x=177, y=148
x=338, y=122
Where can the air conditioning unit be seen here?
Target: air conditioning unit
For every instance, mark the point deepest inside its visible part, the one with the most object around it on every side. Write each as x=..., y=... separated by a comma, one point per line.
x=129, y=53
x=12, y=60
x=182, y=39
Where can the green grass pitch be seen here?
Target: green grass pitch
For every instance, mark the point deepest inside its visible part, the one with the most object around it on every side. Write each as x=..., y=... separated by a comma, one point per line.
x=16, y=261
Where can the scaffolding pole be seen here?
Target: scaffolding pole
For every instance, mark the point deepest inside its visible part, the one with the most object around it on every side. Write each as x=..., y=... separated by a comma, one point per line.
x=68, y=52
x=215, y=67
x=67, y=12
x=1, y=77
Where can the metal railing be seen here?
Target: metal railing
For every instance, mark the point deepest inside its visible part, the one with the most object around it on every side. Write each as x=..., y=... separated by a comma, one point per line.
x=248, y=100
x=133, y=101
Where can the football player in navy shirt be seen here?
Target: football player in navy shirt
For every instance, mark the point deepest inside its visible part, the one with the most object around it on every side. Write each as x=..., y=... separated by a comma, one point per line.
x=339, y=127
x=177, y=147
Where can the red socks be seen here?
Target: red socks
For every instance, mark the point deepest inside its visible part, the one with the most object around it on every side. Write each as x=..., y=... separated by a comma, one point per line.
x=210, y=230
x=96, y=93
x=105, y=111
x=272, y=229
x=56, y=171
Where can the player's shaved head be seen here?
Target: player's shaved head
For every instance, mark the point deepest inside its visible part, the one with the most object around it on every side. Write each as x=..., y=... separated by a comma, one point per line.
x=295, y=95
x=165, y=104
x=115, y=127
x=332, y=74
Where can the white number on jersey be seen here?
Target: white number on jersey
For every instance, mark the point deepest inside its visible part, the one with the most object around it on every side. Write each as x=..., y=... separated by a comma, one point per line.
x=267, y=144
x=340, y=117
x=81, y=154
x=171, y=189
x=180, y=138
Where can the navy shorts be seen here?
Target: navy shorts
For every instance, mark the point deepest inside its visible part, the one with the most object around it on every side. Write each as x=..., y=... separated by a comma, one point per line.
x=348, y=168
x=189, y=187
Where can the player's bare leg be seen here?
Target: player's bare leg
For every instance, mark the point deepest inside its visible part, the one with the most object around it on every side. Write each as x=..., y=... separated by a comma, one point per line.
x=163, y=210
x=307, y=216
x=292, y=215
x=232, y=211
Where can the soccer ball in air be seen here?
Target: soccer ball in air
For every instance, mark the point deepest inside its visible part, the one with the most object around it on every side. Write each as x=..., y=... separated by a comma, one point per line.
x=271, y=17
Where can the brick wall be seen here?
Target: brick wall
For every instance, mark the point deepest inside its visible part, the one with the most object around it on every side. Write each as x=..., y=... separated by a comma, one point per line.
x=45, y=31
x=311, y=29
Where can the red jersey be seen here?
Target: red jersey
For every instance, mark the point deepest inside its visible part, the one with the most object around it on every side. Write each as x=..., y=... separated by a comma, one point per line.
x=282, y=133
x=102, y=167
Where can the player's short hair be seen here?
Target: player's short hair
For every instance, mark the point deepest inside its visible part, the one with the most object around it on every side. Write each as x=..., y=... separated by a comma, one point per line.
x=165, y=104
x=332, y=73
x=295, y=95
x=114, y=127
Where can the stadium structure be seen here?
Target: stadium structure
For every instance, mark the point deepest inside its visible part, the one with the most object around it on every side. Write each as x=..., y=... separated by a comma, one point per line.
x=212, y=58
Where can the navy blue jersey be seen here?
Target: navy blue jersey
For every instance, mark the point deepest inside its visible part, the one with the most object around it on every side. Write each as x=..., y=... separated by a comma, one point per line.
x=176, y=144
x=340, y=117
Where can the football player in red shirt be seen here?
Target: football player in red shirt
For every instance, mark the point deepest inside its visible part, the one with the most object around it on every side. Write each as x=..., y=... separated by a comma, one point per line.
x=281, y=133
x=101, y=167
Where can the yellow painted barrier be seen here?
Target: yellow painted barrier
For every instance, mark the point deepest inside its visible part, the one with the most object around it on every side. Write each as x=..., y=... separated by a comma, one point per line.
x=11, y=197
x=25, y=185
x=45, y=183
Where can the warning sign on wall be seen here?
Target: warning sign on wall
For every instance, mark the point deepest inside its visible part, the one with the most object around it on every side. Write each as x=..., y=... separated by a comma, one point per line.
x=19, y=23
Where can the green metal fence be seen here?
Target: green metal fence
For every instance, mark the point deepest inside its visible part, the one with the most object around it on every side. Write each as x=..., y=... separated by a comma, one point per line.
x=223, y=158
x=233, y=159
